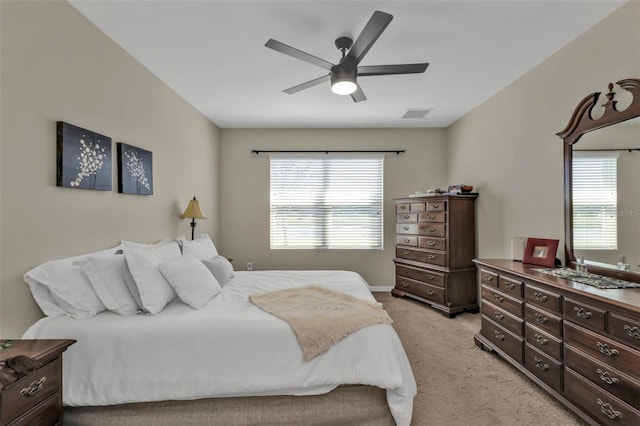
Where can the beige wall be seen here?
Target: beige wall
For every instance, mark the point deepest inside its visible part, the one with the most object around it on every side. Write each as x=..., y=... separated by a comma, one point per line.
x=57, y=66
x=244, y=202
x=508, y=147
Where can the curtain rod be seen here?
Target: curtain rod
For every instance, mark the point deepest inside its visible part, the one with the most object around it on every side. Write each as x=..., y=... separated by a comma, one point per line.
x=327, y=151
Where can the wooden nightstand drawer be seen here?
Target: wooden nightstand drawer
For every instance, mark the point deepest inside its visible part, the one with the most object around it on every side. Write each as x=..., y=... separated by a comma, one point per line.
x=45, y=414
x=30, y=390
x=583, y=314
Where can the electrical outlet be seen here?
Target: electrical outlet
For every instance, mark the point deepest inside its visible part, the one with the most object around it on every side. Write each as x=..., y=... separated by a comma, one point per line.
x=249, y=266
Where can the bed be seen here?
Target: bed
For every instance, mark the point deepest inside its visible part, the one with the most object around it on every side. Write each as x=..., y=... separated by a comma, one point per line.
x=190, y=363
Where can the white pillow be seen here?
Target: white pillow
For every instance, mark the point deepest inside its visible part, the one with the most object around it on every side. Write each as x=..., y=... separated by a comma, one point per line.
x=106, y=275
x=192, y=281
x=58, y=296
x=202, y=248
x=221, y=268
x=155, y=292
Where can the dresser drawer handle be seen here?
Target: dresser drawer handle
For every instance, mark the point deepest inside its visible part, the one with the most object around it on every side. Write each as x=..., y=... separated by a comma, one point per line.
x=403, y=207
x=430, y=292
x=431, y=229
x=606, y=350
x=407, y=240
x=541, y=340
x=431, y=243
x=582, y=313
x=498, y=298
x=429, y=277
x=405, y=270
x=541, y=318
x=498, y=316
x=510, y=286
x=435, y=205
x=488, y=278
x=541, y=365
x=405, y=284
x=406, y=216
x=632, y=331
x=540, y=297
x=406, y=228
x=605, y=377
x=499, y=336
x=35, y=387
x=431, y=216
x=405, y=252
x=608, y=410
x=431, y=256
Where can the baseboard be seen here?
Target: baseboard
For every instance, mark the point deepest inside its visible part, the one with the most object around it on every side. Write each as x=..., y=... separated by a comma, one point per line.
x=381, y=288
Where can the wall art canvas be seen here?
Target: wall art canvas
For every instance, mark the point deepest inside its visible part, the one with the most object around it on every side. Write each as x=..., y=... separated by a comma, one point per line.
x=84, y=158
x=135, y=170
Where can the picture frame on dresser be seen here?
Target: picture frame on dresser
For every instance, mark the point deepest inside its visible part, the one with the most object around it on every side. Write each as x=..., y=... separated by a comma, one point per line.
x=540, y=251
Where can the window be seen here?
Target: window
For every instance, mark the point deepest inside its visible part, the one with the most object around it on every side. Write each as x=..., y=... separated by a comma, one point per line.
x=595, y=203
x=326, y=201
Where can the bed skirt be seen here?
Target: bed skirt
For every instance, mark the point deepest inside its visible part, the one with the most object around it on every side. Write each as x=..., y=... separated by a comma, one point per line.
x=345, y=405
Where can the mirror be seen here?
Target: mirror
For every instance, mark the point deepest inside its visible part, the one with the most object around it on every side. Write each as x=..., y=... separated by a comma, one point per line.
x=602, y=177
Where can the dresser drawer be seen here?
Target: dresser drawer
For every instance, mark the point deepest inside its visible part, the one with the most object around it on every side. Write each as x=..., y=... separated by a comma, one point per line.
x=506, y=341
x=613, y=381
x=605, y=408
x=625, y=329
x=421, y=289
x=584, y=314
x=410, y=207
x=436, y=206
x=30, y=390
x=543, y=320
x=488, y=278
x=502, y=301
x=510, y=286
x=432, y=243
x=504, y=318
x=428, y=229
x=544, y=367
x=407, y=240
x=543, y=298
x=48, y=412
x=543, y=341
x=424, y=275
x=436, y=258
x=612, y=353
x=406, y=217
x=437, y=217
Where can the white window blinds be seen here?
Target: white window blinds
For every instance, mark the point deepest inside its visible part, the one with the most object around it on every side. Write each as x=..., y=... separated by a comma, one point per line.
x=326, y=201
x=595, y=203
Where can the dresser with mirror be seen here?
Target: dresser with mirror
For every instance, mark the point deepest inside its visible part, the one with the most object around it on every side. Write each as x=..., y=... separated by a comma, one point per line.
x=577, y=334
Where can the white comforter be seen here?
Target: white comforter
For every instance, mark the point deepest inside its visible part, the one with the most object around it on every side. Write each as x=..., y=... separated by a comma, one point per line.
x=228, y=348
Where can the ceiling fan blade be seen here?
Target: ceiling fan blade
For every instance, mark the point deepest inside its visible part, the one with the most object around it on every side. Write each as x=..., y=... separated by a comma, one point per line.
x=308, y=84
x=368, y=70
x=358, y=95
x=370, y=33
x=298, y=54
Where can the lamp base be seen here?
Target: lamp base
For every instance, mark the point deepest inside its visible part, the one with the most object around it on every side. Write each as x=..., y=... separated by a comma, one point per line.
x=193, y=228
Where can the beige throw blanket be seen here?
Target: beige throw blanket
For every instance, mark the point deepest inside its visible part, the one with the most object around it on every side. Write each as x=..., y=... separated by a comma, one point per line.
x=320, y=317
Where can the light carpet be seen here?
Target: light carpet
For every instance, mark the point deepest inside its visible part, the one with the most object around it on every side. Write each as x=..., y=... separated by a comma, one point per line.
x=459, y=384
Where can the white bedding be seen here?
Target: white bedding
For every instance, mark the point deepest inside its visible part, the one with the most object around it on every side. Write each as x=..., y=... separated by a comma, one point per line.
x=230, y=347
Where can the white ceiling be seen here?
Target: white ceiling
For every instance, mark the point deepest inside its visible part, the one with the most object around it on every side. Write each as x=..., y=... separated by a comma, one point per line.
x=212, y=53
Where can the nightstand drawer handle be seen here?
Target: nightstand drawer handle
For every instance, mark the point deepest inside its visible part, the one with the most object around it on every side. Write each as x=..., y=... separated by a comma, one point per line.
x=605, y=377
x=582, y=313
x=498, y=298
x=541, y=365
x=35, y=387
x=510, y=286
x=499, y=335
x=498, y=316
x=540, y=297
x=608, y=410
x=541, y=340
x=632, y=331
x=432, y=243
x=606, y=350
x=541, y=318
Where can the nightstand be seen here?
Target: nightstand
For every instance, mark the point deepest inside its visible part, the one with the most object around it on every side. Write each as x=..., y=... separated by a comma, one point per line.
x=35, y=399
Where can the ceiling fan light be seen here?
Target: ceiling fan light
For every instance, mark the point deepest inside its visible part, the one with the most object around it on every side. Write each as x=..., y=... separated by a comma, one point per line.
x=344, y=87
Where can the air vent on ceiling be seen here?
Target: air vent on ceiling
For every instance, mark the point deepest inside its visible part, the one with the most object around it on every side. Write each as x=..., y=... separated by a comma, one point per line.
x=416, y=112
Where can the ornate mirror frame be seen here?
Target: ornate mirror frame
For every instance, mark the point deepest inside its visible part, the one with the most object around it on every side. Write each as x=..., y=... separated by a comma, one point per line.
x=582, y=122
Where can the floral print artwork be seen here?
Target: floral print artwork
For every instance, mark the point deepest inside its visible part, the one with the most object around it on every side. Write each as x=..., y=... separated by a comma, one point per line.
x=134, y=170
x=84, y=158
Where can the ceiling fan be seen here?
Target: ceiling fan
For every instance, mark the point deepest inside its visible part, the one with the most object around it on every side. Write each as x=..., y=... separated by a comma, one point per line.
x=343, y=76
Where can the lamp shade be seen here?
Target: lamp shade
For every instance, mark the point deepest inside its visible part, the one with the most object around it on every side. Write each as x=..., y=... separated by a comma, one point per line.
x=193, y=210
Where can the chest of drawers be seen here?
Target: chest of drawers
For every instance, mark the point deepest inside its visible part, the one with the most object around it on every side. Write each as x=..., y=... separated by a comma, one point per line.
x=579, y=343
x=435, y=246
x=35, y=399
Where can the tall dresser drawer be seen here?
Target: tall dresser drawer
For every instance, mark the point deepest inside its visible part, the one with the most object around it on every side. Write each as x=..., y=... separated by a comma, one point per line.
x=423, y=228
x=432, y=217
x=421, y=289
x=584, y=314
x=545, y=342
x=606, y=350
x=543, y=320
x=436, y=206
x=601, y=405
x=435, y=258
x=625, y=329
x=506, y=341
x=406, y=217
x=432, y=243
x=424, y=275
x=608, y=378
x=502, y=301
x=407, y=240
x=544, y=367
x=502, y=317
x=543, y=298
x=410, y=207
